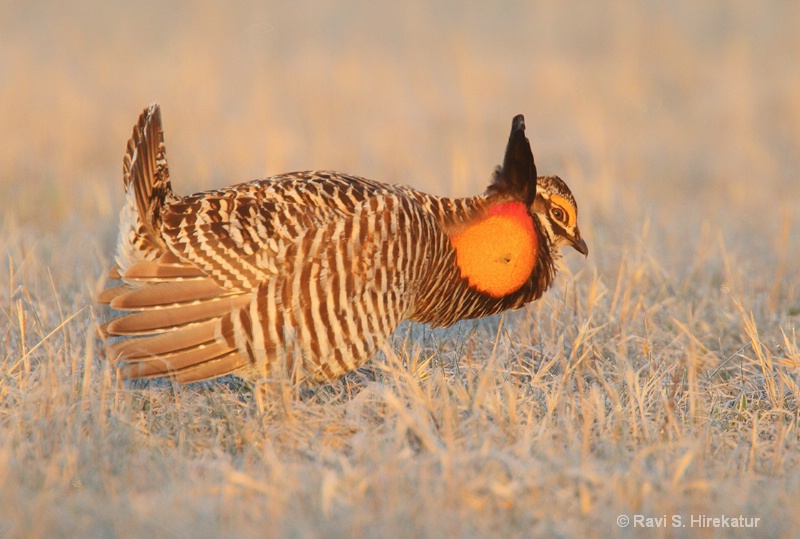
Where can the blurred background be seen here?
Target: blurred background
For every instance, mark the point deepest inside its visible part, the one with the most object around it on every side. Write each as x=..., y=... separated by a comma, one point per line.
x=676, y=124
x=665, y=364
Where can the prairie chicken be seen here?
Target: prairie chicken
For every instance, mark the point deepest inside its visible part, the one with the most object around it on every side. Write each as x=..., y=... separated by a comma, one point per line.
x=312, y=271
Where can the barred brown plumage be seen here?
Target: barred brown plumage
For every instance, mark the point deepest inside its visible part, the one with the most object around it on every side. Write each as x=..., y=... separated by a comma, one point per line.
x=311, y=272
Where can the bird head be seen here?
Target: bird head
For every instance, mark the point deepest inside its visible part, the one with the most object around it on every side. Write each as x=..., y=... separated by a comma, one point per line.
x=558, y=213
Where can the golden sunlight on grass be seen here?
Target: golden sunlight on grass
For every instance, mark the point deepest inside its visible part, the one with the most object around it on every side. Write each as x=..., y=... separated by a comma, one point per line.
x=661, y=376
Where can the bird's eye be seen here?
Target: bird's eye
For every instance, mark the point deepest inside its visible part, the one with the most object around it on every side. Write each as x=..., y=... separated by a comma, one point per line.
x=558, y=214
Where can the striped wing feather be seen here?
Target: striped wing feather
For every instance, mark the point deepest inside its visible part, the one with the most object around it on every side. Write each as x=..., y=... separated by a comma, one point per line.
x=345, y=288
x=239, y=235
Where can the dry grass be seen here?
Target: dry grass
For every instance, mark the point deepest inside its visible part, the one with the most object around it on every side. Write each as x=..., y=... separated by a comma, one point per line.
x=659, y=377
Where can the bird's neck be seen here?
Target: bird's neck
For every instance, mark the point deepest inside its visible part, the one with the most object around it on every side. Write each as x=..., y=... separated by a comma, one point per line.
x=497, y=259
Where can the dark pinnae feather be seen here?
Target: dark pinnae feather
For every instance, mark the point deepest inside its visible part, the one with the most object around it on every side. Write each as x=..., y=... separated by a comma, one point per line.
x=517, y=176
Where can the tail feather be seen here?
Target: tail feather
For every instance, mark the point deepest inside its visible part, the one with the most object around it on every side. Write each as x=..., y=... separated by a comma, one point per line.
x=164, y=295
x=152, y=271
x=109, y=294
x=193, y=372
x=220, y=366
x=152, y=321
x=165, y=345
x=159, y=366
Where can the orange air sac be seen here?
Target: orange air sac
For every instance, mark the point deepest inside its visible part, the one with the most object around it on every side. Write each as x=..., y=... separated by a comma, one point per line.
x=498, y=252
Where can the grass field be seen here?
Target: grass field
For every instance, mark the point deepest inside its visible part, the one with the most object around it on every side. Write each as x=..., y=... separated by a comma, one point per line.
x=660, y=377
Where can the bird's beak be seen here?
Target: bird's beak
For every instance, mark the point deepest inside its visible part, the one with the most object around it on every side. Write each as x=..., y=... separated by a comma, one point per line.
x=580, y=245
